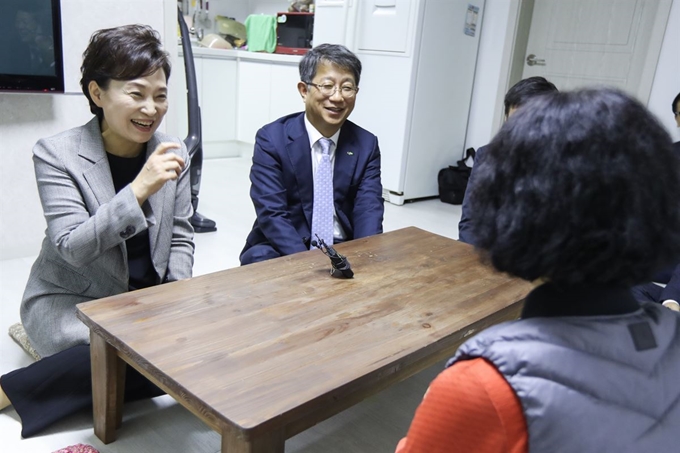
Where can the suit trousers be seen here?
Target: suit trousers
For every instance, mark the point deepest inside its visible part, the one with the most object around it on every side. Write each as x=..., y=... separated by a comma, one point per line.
x=60, y=385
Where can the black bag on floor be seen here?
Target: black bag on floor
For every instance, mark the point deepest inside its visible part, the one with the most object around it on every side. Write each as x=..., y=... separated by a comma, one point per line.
x=453, y=180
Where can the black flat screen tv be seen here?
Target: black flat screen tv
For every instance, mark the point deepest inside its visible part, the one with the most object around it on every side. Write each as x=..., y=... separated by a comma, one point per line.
x=31, y=58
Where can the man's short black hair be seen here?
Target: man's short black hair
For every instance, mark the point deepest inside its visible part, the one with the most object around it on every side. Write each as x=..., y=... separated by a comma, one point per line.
x=526, y=89
x=675, y=103
x=580, y=188
x=329, y=53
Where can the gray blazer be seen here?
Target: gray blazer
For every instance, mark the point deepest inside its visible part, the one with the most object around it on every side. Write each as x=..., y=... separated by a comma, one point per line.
x=83, y=256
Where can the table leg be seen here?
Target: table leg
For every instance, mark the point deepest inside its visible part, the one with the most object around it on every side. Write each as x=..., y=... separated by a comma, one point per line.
x=108, y=388
x=121, y=368
x=233, y=441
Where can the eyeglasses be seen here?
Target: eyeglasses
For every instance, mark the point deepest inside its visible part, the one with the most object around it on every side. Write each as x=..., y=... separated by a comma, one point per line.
x=329, y=90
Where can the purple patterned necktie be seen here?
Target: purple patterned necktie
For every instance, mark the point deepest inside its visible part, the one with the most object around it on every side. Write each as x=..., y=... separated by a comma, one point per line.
x=322, y=214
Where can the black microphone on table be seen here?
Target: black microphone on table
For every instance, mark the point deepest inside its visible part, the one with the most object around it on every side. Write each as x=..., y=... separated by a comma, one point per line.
x=340, y=267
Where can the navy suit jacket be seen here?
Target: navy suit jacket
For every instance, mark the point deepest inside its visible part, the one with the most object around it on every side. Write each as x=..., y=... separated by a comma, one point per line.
x=282, y=187
x=672, y=276
x=465, y=233
x=672, y=289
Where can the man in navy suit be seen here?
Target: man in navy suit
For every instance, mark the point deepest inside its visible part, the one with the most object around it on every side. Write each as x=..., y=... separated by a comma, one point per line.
x=668, y=295
x=289, y=151
x=519, y=94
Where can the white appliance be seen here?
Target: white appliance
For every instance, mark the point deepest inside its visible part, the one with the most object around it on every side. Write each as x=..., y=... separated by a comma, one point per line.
x=418, y=60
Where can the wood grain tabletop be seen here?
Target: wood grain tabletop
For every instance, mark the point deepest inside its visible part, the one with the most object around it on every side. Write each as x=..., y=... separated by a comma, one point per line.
x=266, y=346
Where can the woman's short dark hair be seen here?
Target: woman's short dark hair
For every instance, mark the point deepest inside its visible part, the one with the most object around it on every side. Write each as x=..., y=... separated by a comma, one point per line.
x=581, y=188
x=527, y=89
x=122, y=53
x=329, y=53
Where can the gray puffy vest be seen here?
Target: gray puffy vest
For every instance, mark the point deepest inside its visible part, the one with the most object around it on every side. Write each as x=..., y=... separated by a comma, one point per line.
x=592, y=383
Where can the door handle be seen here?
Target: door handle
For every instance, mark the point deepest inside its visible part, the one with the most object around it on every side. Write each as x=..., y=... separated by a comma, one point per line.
x=533, y=61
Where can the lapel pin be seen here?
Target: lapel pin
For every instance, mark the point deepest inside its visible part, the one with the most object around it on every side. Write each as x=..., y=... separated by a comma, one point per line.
x=350, y=153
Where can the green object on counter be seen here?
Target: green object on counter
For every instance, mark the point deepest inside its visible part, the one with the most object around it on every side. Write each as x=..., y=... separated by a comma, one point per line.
x=261, y=31
x=228, y=26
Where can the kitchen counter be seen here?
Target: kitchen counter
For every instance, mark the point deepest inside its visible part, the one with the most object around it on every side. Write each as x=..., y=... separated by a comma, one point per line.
x=233, y=54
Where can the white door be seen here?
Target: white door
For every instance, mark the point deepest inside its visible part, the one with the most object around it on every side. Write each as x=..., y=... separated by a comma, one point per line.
x=576, y=43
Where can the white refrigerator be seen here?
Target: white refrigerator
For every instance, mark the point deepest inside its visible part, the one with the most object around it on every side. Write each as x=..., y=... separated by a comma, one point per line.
x=418, y=60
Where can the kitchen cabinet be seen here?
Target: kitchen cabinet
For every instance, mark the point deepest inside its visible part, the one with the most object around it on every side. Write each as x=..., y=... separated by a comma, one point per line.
x=266, y=92
x=217, y=104
x=239, y=92
x=216, y=82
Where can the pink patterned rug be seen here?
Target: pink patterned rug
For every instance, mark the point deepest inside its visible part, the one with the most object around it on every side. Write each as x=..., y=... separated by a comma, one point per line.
x=79, y=448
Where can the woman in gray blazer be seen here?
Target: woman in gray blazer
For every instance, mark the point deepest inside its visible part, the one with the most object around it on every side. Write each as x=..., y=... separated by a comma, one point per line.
x=116, y=197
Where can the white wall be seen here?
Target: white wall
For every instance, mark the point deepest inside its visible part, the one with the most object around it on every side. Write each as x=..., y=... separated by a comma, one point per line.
x=25, y=118
x=491, y=81
x=491, y=73
x=270, y=7
x=81, y=17
x=240, y=9
x=667, y=78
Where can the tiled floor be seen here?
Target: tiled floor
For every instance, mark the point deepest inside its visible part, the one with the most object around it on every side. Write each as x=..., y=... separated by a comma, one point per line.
x=161, y=425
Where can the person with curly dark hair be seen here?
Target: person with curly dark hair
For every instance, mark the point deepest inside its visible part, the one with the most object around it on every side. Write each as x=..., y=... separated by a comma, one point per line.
x=117, y=200
x=518, y=95
x=580, y=193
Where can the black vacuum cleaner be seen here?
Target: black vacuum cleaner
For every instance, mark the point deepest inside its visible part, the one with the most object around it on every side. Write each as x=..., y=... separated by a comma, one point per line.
x=193, y=141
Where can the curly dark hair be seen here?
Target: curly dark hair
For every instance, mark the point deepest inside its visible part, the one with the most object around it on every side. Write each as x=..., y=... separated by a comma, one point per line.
x=121, y=53
x=581, y=188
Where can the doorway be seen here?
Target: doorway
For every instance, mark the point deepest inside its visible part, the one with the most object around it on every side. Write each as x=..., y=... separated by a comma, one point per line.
x=578, y=43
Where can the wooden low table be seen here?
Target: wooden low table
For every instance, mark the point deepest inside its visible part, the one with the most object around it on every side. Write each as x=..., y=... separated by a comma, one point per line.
x=265, y=351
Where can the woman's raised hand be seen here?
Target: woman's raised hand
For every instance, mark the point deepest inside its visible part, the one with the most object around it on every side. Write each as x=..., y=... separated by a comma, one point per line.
x=161, y=167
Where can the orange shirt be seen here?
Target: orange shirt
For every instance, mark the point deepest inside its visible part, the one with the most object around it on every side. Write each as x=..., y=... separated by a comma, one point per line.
x=469, y=407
